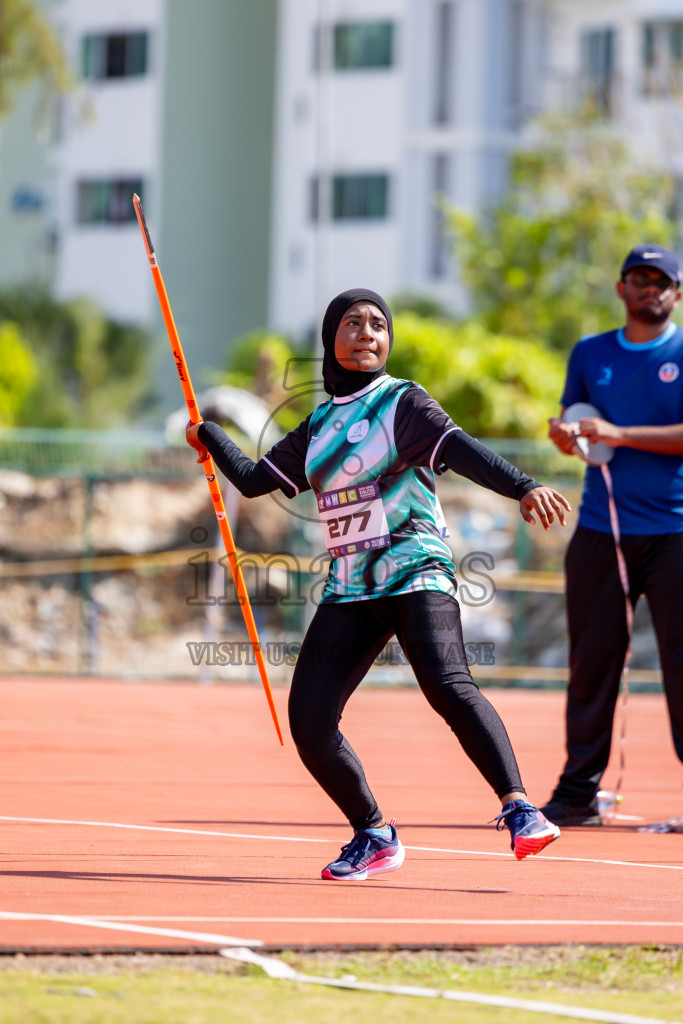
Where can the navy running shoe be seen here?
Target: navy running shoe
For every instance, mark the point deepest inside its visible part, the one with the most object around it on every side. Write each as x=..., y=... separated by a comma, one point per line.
x=529, y=829
x=367, y=854
x=567, y=814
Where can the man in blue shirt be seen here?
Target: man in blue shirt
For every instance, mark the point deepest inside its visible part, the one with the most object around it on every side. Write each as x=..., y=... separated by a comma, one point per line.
x=634, y=376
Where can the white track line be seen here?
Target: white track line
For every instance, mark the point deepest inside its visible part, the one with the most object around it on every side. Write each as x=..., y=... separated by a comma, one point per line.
x=299, y=839
x=546, y=856
x=485, y=922
x=161, y=828
x=282, y=971
x=91, y=922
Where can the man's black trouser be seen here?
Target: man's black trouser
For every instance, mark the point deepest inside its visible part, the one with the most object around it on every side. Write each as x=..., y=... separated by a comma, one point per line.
x=598, y=640
x=341, y=644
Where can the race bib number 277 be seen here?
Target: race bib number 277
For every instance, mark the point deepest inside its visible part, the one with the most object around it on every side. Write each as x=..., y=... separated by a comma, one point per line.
x=353, y=520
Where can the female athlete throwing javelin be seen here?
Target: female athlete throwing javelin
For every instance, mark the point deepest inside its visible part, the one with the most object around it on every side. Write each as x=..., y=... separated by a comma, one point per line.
x=370, y=454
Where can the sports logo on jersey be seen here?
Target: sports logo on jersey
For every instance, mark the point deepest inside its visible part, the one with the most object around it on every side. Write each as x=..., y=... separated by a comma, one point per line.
x=357, y=431
x=605, y=377
x=668, y=372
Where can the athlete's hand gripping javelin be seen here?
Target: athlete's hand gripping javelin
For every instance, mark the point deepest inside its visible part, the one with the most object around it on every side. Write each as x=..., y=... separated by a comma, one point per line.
x=193, y=440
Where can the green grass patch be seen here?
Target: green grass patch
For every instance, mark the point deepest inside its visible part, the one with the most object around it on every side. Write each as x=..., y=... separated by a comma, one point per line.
x=208, y=989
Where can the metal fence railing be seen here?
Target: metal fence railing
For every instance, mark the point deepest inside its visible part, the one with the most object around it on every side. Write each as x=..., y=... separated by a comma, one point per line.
x=102, y=453
x=99, y=453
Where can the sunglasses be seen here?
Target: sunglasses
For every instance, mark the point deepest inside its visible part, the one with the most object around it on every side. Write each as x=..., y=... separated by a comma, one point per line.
x=641, y=280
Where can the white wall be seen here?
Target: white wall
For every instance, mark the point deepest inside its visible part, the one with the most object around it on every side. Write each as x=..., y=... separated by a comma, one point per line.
x=330, y=123
x=508, y=58
x=384, y=120
x=653, y=126
x=110, y=130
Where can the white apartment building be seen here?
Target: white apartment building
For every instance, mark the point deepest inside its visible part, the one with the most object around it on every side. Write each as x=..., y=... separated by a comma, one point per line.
x=175, y=102
x=629, y=54
x=287, y=149
x=107, y=147
x=384, y=107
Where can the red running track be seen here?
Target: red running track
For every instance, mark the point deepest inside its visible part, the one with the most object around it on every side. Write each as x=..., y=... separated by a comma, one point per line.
x=167, y=816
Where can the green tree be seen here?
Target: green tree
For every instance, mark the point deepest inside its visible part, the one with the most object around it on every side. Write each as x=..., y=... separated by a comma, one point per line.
x=492, y=385
x=91, y=370
x=542, y=262
x=29, y=51
x=18, y=373
x=280, y=373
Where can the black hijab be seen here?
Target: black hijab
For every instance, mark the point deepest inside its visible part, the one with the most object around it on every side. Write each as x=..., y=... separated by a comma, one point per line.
x=337, y=380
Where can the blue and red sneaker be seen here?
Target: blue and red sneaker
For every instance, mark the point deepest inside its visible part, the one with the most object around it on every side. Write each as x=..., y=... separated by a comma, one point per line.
x=529, y=828
x=368, y=853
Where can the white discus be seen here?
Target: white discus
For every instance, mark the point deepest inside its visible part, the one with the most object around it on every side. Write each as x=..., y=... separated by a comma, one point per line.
x=597, y=453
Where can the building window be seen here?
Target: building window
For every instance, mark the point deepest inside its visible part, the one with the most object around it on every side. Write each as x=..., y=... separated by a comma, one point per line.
x=517, y=63
x=357, y=46
x=597, y=67
x=363, y=45
x=439, y=256
x=360, y=196
x=662, y=57
x=107, y=201
x=119, y=55
x=353, y=46
x=351, y=197
x=443, y=62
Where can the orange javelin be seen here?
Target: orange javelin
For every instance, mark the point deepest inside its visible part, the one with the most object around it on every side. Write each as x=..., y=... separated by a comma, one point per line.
x=209, y=468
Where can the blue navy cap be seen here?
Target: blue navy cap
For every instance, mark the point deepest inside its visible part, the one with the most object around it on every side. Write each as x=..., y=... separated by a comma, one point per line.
x=653, y=256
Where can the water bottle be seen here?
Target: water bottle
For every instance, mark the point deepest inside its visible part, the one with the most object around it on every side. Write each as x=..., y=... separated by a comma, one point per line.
x=607, y=805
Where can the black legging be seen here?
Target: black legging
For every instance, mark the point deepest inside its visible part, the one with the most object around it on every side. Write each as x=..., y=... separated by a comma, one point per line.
x=341, y=644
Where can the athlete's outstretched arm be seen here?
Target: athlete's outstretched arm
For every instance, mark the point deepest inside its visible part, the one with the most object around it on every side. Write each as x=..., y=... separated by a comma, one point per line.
x=250, y=478
x=470, y=458
x=473, y=460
